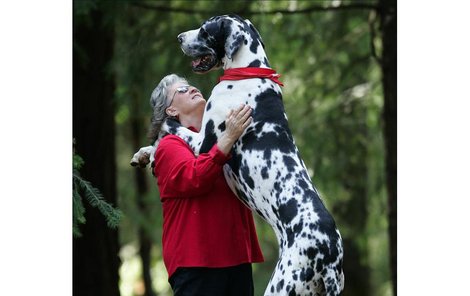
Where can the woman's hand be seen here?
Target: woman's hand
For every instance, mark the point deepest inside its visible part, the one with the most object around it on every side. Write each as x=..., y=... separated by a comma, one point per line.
x=237, y=121
x=235, y=124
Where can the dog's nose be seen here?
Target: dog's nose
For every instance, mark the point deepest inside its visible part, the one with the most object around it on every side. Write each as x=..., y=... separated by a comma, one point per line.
x=180, y=38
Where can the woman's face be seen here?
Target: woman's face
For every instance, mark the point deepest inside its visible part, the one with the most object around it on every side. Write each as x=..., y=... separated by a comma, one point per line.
x=185, y=98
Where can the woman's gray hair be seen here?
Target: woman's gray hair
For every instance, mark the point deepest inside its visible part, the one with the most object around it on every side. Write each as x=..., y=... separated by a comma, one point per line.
x=158, y=101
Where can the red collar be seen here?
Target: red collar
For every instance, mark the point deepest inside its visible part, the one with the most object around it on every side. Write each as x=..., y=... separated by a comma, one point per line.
x=245, y=73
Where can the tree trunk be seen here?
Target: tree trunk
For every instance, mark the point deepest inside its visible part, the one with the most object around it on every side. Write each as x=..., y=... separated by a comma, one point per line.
x=388, y=22
x=142, y=189
x=95, y=254
x=353, y=177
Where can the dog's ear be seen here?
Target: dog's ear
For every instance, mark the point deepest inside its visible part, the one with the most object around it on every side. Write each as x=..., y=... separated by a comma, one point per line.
x=254, y=31
x=232, y=45
x=232, y=42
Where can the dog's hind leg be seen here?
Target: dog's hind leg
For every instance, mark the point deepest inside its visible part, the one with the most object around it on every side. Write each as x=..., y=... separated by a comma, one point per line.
x=334, y=282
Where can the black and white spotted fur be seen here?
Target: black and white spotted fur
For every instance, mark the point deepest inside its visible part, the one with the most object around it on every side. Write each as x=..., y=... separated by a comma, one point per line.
x=266, y=170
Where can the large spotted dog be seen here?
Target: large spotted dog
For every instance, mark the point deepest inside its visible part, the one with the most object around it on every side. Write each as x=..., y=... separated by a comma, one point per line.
x=266, y=171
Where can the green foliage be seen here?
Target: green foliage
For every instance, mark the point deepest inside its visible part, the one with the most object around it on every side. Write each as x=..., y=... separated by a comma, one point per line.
x=93, y=197
x=77, y=162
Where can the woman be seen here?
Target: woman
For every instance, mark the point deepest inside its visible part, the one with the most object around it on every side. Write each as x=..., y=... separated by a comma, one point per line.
x=209, y=238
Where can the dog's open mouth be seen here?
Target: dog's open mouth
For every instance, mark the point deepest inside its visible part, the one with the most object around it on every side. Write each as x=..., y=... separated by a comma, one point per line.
x=204, y=63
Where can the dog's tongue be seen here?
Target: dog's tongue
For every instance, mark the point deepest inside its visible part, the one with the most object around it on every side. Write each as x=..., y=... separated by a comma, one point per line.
x=196, y=62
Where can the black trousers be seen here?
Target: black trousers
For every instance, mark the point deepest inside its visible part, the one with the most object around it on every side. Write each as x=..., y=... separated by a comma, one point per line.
x=203, y=281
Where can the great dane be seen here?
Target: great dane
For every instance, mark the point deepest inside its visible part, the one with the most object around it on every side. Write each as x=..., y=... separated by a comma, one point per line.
x=266, y=171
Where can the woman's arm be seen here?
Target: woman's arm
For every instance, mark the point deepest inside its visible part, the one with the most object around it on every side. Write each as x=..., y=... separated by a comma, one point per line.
x=181, y=174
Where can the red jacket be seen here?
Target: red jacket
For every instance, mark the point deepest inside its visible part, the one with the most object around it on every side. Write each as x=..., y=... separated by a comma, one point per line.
x=204, y=223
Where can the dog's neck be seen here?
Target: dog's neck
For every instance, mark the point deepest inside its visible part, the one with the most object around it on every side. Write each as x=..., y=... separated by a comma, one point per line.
x=246, y=58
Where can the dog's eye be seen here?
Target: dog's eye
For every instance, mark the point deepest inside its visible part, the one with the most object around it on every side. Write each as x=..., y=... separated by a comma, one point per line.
x=203, y=33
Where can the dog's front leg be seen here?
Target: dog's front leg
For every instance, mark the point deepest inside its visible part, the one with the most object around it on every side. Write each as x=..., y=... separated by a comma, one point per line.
x=193, y=139
x=144, y=156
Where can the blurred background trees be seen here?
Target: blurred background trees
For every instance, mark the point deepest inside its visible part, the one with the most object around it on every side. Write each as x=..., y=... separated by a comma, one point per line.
x=338, y=63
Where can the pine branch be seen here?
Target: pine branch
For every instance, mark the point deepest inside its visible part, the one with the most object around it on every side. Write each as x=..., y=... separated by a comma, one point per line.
x=78, y=212
x=96, y=199
x=77, y=162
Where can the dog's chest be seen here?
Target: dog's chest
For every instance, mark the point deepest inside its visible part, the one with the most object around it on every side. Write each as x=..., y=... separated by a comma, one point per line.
x=265, y=159
x=230, y=94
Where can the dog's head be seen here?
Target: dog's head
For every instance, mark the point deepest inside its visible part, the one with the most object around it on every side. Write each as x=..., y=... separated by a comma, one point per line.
x=218, y=40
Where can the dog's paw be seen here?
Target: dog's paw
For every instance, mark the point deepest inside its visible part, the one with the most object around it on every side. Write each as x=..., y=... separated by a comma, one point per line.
x=143, y=157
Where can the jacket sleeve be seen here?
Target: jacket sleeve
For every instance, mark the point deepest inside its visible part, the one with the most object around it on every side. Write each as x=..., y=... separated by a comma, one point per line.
x=181, y=174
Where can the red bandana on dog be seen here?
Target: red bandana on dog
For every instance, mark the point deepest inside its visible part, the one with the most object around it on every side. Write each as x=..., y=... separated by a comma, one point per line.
x=245, y=73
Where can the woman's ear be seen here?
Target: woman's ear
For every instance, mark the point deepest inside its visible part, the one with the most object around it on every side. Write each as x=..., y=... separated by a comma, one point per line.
x=170, y=111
